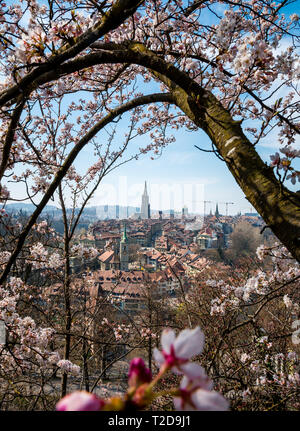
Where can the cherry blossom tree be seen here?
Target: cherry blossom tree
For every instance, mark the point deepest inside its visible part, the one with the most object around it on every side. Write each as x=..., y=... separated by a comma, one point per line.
x=70, y=70
x=219, y=65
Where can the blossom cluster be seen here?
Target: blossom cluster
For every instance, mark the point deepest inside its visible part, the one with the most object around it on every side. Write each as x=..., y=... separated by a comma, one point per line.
x=40, y=257
x=68, y=367
x=286, y=269
x=194, y=393
x=27, y=346
x=81, y=251
x=273, y=369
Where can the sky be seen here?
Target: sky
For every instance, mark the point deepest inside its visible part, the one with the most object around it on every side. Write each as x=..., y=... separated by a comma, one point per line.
x=184, y=167
x=182, y=170
x=181, y=176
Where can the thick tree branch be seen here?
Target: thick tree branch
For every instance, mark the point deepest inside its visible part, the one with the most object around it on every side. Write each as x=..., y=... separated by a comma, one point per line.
x=10, y=136
x=231, y=75
x=119, y=12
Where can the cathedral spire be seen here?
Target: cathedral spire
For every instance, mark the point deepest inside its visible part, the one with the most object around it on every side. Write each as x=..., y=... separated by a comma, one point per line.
x=145, y=207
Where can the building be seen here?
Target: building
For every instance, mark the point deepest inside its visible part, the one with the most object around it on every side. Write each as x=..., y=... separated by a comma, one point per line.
x=184, y=213
x=109, y=260
x=124, y=251
x=145, y=208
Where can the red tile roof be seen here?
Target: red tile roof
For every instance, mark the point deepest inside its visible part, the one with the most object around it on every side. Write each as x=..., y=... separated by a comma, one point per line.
x=107, y=256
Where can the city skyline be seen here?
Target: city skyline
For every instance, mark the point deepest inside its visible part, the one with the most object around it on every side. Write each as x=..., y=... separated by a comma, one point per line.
x=166, y=196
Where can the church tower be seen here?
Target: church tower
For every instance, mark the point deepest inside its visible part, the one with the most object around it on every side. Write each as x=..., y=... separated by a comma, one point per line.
x=217, y=214
x=145, y=208
x=124, y=252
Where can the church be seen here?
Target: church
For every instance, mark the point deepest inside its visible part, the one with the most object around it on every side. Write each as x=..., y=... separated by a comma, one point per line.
x=111, y=260
x=145, y=208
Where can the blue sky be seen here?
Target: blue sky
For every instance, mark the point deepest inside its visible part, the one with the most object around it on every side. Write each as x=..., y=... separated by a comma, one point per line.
x=180, y=164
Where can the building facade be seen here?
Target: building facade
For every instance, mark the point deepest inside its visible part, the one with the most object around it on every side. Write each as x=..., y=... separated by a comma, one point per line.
x=124, y=251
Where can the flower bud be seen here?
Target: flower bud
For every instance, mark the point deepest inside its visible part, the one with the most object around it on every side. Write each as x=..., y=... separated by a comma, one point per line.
x=138, y=373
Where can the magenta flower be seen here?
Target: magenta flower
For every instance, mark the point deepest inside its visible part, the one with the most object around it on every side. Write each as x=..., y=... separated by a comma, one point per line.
x=80, y=401
x=138, y=373
x=176, y=352
x=197, y=394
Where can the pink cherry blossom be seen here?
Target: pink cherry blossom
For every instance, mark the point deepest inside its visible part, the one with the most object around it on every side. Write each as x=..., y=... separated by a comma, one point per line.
x=176, y=352
x=80, y=401
x=197, y=394
x=68, y=367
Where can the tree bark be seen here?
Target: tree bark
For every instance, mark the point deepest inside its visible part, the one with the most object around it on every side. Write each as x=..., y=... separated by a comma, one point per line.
x=67, y=296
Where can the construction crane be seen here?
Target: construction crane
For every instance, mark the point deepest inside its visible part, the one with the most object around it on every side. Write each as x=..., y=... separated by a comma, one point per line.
x=227, y=203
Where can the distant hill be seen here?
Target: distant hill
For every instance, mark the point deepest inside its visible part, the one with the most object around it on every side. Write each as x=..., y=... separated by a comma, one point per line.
x=95, y=212
x=29, y=208
x=100, y=212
